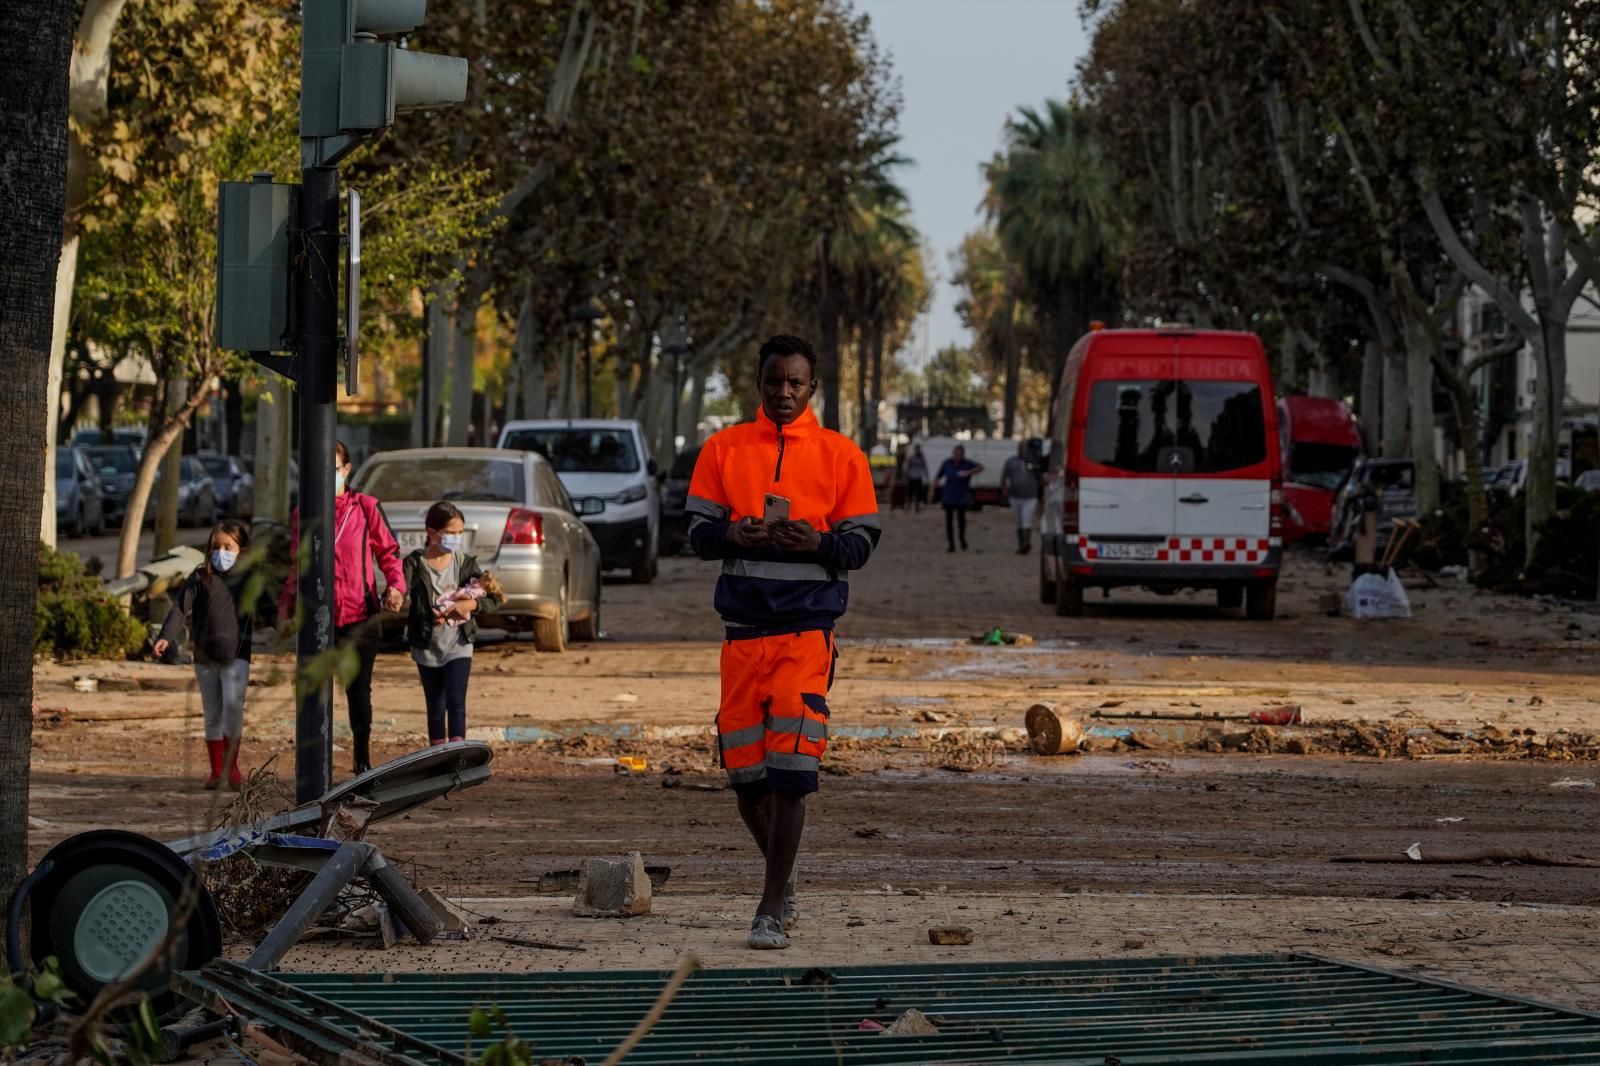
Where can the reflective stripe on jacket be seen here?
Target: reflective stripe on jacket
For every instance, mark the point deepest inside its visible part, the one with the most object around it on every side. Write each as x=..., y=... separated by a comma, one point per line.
x=825, y=478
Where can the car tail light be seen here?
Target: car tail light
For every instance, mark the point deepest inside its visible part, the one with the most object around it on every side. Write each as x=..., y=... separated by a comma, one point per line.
x=523, y=527
x=1069, y=502
x=1277, y=506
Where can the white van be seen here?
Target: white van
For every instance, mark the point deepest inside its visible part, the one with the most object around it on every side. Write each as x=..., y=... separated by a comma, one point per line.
x=608, y=472
x=990, y=453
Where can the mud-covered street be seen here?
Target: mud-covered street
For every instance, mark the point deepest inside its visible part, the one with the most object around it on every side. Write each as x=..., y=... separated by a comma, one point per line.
x=1174, y=835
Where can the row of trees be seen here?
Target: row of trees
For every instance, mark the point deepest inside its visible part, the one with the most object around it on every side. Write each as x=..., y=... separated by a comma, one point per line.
x=1336, y=175
x=700, y=173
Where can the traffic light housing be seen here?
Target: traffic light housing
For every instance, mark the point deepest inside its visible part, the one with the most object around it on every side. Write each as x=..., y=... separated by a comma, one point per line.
x=353, y=80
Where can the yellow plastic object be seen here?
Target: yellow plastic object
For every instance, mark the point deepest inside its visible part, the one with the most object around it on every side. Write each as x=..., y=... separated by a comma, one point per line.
x=634, y=764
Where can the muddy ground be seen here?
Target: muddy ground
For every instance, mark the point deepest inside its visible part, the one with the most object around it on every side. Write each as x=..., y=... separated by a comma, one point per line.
x=1159, y=849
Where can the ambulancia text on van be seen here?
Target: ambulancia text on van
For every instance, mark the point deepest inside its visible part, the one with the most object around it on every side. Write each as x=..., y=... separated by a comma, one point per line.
x=1165, y=471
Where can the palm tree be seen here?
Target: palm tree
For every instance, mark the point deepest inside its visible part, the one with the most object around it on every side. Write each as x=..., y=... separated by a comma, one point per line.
x=883, y=285
x=840, y=233
x=1050, y=200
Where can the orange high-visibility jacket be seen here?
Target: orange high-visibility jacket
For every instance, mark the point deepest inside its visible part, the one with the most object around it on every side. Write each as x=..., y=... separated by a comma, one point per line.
x=827, y=482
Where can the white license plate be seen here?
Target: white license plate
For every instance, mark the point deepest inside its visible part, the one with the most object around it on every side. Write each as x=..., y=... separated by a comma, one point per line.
x=411, y=540
x=1127, y=551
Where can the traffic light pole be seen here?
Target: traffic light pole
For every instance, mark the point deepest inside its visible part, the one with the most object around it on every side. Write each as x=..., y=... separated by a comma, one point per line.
x=317, y=311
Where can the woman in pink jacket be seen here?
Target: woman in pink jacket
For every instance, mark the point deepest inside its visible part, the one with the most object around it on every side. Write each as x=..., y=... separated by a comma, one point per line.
x=361, y=534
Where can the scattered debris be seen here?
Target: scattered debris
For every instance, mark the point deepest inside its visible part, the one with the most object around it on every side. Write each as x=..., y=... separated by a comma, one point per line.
x=1050, y=733
x=1514, y=856
x=632, y=764
x=625, y=697
x=1289, y=714
x=1573, y=782
x=608, y=888
x=543, y=945
x=452, y=919
x=912, y=1023
x=998, y=636
x=950, y=936
x=964, y=752
x=1132, y=945
x=883, y=660
x=1456, y=818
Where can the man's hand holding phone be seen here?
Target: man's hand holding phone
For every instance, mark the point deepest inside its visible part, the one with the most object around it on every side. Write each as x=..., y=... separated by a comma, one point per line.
x=795, y=536
x=749, y=532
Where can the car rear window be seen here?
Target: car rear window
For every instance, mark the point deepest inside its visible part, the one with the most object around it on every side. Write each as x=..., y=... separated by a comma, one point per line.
x=446, y=479
x=573, y=449
x=114, y=460
x=1321, y=466
x=1213, y=426
x=217, y=465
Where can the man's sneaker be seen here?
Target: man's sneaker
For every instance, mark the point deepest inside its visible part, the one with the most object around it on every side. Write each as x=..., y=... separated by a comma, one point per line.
x=766, y=934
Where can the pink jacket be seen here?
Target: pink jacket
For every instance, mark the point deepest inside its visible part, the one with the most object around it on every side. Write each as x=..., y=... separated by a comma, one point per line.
x=361, y=534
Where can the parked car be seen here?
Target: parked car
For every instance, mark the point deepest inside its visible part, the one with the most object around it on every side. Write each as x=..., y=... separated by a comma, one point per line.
x=1588, y=481
x=674, y=499
x=197, y=496
x=1394, y=483
x=607, y=468
x=80, y=498
x=1510, y=479
x=118, y=464
x=520, y=523
x=233, y=484
x=1321, y=442
x=1165, y=470
x=92, y=438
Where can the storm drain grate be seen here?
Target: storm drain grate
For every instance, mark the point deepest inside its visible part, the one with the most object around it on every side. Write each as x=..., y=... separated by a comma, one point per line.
x=1249, y=1008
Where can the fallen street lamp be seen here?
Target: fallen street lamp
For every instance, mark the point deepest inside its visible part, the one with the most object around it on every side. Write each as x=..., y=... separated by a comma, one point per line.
x=586, y=314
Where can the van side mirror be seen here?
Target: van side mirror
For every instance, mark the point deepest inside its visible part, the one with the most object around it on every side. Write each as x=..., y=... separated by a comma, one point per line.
x=654, y=469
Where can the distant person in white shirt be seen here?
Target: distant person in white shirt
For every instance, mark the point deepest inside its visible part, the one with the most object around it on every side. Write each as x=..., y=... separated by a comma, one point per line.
x=916, y=478
x=1021, y=485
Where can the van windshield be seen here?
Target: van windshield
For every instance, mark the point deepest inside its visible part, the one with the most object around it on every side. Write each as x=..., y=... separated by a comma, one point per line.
x=1189, y=426
x=578, y=450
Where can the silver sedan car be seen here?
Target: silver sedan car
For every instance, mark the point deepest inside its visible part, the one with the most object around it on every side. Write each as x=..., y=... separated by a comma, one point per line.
x=520, y=525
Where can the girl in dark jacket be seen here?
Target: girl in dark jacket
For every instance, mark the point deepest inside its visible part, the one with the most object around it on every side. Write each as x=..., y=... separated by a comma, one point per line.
x=220, y=627
x=448, y=589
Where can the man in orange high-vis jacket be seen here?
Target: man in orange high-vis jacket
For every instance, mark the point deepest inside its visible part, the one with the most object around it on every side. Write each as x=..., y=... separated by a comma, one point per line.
x=783, y=585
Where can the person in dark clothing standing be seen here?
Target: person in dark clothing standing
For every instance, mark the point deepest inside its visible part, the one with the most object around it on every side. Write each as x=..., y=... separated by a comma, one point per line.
x=955, y=492
x=448, y=589
x=916, y=478
x=1021, y=485
x=360, y=534
x=211, y=601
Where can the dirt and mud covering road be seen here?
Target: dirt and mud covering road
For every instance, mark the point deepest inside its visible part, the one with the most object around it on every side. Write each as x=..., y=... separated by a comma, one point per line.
x=1470, y=729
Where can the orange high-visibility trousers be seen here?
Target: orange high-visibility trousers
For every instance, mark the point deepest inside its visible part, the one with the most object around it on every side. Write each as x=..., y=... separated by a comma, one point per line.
x=772, y=726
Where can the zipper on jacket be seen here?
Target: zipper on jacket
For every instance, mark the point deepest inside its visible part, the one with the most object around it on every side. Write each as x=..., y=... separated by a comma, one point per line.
x=777, y=475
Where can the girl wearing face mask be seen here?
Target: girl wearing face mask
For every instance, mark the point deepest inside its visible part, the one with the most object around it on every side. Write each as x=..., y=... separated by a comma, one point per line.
x=211, y=600
x=363, y=547
x=441, y=626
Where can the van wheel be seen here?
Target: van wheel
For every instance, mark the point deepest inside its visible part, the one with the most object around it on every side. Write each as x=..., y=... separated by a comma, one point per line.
x=1069, y=597
x=1047, y=584
x=1230, y=597
x=1262, y=601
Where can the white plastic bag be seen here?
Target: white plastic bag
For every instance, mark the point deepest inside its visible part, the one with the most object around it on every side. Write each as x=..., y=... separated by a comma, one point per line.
x=1377, y=596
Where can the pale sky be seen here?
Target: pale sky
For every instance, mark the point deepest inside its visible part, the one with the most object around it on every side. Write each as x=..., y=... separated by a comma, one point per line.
x=964, y=66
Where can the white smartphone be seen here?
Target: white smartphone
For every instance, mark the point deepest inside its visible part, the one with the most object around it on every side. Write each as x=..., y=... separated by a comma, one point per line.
x=777, y=509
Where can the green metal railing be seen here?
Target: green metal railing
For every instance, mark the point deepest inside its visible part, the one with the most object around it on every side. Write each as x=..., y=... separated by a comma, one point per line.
x=1250, y=1009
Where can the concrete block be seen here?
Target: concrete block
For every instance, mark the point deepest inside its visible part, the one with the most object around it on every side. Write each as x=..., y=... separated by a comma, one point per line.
x=611, y=889
x=452, y=919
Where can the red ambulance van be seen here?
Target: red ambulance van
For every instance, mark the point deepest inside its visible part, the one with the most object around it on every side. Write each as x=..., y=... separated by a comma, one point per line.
x=1165, y=471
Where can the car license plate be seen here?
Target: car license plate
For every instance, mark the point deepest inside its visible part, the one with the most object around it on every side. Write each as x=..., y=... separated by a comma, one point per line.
x=1127, y=551
x=411, y=540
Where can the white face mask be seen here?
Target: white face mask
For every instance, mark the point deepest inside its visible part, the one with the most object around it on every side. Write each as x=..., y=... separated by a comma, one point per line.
x=338, y=482
x=450, y=542
x=222, y=560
